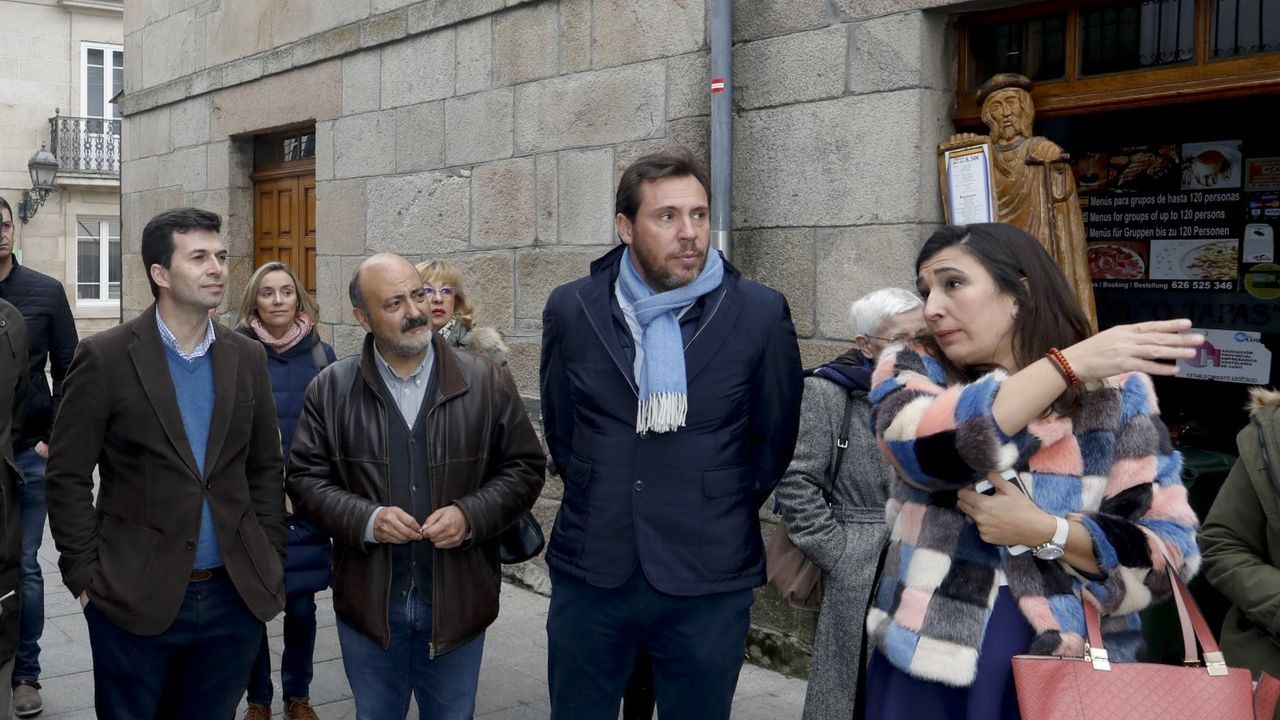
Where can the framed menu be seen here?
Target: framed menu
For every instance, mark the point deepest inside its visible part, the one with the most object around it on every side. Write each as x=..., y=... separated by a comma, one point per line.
x=968, y=195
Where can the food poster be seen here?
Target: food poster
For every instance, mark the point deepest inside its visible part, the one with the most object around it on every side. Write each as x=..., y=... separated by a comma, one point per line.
x=1167, y=240
x=1187, y=229
x=1181, y=208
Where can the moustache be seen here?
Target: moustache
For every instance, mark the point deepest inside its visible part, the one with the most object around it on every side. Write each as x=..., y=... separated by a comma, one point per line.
x=415, y=322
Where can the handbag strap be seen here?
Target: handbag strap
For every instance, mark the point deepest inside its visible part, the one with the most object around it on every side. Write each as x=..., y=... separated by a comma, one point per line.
x=842, y=442
x=1190, y=618
x=318, y=357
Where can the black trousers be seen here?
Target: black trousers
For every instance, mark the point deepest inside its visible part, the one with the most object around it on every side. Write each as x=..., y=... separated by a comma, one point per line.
x=637, y=701
x=195, y=670
x=695, y=645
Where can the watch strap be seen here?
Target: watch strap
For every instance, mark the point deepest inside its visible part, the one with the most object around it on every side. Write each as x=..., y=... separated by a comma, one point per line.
x=1060, y=534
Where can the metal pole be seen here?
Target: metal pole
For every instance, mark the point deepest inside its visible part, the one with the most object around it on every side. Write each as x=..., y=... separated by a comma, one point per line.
x=722, y=126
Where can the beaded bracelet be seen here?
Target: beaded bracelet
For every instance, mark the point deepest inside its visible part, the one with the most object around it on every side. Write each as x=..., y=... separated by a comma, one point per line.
x=1059, y=362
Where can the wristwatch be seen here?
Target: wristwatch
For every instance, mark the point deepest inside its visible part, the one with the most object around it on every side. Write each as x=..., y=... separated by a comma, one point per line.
x=1053, y=549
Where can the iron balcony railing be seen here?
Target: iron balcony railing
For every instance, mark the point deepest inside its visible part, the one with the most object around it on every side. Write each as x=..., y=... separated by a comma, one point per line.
x=86, y=145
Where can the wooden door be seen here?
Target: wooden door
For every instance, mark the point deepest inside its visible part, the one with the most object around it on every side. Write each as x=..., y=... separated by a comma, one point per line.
x=284, y=225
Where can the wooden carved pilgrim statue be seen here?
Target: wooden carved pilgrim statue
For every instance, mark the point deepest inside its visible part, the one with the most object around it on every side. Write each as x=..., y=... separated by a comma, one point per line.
x=1033, y=182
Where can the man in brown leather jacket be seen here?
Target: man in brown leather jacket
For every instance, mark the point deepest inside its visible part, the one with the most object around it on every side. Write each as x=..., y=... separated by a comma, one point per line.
x=413, y=456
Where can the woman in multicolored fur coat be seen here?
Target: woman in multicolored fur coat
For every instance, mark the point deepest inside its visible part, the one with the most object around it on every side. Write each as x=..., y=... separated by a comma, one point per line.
x=1096, y=501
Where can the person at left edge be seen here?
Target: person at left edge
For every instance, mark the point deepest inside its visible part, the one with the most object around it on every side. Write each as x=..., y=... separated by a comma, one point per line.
x=414, y=457
x=51, y=335
x=180, y=562
x=14, y=383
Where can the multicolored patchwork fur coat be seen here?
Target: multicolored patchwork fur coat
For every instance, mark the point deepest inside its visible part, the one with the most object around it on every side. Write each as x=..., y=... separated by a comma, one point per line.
x=1109, y=465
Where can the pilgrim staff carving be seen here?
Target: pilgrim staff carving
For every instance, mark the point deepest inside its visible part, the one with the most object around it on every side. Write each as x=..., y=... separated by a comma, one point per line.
x=1032, y=180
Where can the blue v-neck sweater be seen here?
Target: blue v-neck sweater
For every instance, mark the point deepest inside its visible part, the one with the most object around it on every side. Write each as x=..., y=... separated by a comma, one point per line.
x=193, y=384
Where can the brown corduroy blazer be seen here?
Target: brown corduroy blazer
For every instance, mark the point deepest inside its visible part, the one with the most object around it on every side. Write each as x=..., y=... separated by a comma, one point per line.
x=133, y=551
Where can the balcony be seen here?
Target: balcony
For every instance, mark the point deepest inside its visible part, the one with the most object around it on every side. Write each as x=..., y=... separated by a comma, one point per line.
x=88, y=150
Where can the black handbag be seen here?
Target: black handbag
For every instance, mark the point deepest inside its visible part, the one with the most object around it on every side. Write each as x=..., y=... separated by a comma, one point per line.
x=521, y=541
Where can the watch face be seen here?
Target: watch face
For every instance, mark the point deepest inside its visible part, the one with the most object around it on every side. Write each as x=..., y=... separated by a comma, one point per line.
x=1048, y=552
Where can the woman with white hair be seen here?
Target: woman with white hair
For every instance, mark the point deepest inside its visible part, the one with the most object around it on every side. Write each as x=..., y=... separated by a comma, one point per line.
x=835, y=516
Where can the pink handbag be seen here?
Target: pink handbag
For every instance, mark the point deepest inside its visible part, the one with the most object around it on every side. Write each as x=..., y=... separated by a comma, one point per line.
x=1091, y=687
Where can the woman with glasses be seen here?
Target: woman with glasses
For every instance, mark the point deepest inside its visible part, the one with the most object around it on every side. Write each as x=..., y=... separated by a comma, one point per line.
x=452, y=315
x=835, y=516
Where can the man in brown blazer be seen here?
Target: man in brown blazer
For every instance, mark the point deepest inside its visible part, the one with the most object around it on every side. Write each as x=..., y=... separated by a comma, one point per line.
x=180, y=561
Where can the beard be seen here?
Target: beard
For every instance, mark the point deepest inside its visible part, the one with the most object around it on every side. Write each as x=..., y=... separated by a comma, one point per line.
x=657, y=274
x=402, y=344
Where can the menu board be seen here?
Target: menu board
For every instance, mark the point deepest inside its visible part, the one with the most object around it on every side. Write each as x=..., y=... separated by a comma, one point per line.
x=1183, y=231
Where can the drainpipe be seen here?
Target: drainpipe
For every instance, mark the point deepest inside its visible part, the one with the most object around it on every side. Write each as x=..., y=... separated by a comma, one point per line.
x=722, y=126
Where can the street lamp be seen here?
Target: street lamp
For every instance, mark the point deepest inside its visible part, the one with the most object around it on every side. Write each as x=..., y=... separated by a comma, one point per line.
x=43, y=167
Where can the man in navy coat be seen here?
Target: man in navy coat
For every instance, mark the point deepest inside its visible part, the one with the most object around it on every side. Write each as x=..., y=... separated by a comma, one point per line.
x=670, y=397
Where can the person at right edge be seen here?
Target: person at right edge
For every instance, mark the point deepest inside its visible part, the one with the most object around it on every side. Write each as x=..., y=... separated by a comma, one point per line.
x=1093, y=491
x=670, y=399
x=1241, y=542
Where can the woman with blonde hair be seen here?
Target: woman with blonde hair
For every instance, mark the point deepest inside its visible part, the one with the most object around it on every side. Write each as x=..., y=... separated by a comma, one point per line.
x=452, y=314
x=277, y=311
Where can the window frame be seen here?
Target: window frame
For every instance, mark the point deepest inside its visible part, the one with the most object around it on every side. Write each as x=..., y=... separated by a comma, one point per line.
x=1202, y=78
x=108, y=78
x=104, y=262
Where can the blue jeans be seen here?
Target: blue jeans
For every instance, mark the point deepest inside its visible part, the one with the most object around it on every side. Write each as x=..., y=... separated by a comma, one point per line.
x=196, y=669
x=382, y=680
x=26, y=664
x=695, y=645
x=299, y=647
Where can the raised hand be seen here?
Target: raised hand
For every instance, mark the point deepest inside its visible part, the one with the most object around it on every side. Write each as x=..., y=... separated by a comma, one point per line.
x=1149, y=347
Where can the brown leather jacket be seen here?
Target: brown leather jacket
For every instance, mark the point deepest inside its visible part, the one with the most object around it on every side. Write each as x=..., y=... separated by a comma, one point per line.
x=484, y=457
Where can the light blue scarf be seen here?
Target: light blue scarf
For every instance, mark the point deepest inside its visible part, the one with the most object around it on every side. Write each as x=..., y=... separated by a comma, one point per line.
x=664, y=399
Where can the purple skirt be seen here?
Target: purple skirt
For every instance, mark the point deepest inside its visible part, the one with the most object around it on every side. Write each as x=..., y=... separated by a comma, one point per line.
x=891, y=694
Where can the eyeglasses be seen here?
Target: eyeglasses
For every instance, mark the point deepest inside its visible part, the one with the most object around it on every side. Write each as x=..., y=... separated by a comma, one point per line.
x=899, y=338
x=430, y=292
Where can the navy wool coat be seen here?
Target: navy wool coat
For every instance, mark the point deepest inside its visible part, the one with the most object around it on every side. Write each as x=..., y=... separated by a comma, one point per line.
x=307, y=565
x=681, y=504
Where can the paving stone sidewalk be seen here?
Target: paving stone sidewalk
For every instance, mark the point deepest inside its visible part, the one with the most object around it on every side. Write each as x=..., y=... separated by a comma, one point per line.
x=513, y=683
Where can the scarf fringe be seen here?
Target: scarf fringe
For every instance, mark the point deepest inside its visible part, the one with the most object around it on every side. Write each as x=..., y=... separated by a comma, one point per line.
x=662, y=412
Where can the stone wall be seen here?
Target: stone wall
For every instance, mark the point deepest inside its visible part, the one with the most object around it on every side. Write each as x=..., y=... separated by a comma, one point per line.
x=491, y=133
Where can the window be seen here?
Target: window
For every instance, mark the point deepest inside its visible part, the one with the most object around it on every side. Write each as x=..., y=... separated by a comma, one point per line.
x=1134, y=35
x=101, y=77
x=1245, y=27
x=1097, y=55
x=1035, y=47
x=284, y=148
x=98, y=259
